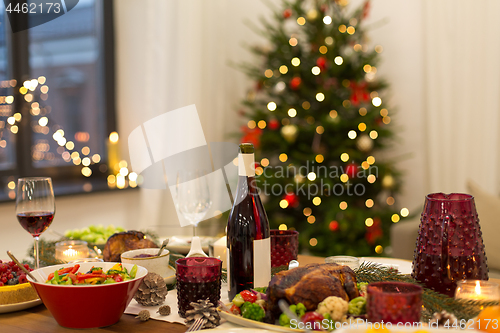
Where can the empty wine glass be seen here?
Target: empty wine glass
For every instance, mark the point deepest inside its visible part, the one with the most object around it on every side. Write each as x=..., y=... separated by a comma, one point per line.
x=35, y=207
x=193, y=196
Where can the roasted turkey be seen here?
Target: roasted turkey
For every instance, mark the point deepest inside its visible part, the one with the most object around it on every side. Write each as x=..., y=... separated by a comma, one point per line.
x=125, y=241
x=310, y=285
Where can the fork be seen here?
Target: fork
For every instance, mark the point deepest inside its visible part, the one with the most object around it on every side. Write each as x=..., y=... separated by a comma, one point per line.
x=197, y=325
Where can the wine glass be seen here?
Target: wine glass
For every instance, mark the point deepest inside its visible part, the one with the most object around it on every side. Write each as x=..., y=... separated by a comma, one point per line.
x=193, y=196
x=35, y=207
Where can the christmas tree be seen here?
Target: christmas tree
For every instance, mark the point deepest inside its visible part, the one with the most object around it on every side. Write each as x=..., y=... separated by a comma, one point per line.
x=318, y=120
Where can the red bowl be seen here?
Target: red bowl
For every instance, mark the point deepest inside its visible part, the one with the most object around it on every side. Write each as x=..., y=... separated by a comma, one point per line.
x=86, y=306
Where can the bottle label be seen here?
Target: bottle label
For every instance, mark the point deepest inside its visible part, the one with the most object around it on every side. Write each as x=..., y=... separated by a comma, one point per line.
x=228, y=267
x=261, y=262
x=246, y=165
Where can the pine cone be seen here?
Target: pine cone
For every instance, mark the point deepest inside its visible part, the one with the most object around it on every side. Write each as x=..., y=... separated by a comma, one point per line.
x=152, y=290
x=143, y=315
x=203, y=309
x=444, y=318
x=164, y=310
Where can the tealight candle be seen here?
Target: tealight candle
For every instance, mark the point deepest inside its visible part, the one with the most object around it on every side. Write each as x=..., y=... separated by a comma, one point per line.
x=477, y=290
x=71, y=250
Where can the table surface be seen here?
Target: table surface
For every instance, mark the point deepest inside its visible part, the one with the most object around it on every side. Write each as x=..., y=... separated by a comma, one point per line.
x=38, y=319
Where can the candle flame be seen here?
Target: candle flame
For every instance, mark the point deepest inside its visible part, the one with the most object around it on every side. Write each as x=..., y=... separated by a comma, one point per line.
x=478, y=288
x=70, y=253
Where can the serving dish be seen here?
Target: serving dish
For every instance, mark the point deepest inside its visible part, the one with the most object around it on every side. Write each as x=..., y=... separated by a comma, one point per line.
x=19, y=306
x=86, y=306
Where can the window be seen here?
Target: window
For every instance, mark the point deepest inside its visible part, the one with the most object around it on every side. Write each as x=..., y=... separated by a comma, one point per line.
x=57, y=99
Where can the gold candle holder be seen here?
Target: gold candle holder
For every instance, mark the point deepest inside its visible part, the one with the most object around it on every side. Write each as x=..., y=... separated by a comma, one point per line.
x=71, y=250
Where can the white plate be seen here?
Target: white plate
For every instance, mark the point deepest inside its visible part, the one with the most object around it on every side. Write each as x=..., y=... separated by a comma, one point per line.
x=182, y=244
x=403, y=266
x=19, y=306
x=239, y=320
x=170, y=276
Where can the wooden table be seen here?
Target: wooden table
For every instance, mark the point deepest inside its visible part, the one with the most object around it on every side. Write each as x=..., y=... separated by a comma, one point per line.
x=39, y=319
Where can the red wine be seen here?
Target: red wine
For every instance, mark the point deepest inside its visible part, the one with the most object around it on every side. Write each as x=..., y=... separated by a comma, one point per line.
x=35, y=222
x=430, y=270
x=248, y=233
x=192, y=292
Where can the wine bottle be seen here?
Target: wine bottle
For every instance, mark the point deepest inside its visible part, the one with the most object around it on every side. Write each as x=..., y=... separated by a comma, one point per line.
x=248, y=234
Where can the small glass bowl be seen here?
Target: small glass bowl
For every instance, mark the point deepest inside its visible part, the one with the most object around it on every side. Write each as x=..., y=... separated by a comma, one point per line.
x=70, y=250
x=352, y=262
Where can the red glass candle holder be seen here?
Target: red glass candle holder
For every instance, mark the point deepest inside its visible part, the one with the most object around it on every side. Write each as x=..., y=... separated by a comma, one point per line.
x=450, y=245
x=394, y=302
x=284, y=247
x=197, y=278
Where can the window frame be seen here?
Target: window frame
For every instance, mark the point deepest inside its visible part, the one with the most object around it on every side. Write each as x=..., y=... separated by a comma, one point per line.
x=66, y=179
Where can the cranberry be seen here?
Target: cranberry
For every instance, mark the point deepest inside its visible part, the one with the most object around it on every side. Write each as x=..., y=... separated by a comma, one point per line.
x=10, y=276
x=22, y=278
x=4, y=279
x=12, y=264
x=1, y=283
x=3, y=267
x=27, y=266
x=1, y=261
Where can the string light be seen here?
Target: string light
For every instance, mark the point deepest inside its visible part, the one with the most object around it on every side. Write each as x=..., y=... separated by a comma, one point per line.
x=369, y=203
x=307, y=211
x=271, y=106
x=320, y=97
x=351, y=30
x=390, y=201
x=344, y=178
x=352, y=134
x=327, y=20
x=251, y=124
x=342, y=28
x=315, y=70
x=379, y=249
x=293, y=41
x=316, y=201
x=395, y=218
x=344, y=157
x=320, y=129
x=323, y=49
x=371, y=179
x=295, y=61
x=343, y=205
x=292, y=112
x=369, y=222
x=283, y=157
x=377, y=101
x=283, y=69
x=313, y=242
x=282, y=227
x=283, y=203
x=319, y=158
x=268, y=73
x=370, y=160
x=264, y=162
x=338, y=60
x=311, y=176
x=311, y=219
x=373, y=134
x=404, y=212
x=261, y=124
x=329, y=40
x=301, y=21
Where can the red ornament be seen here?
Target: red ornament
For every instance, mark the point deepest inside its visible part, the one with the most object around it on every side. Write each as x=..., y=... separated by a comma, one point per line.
x=324, y=8
x=366, y=9
x=359, y=92
x=321, y=62
x=251, y=135
x=374, y=232
x=295, y=82
x=351, y=170
x=292, y=199
x=287, y=13
x=274, y=124
x=334, y=226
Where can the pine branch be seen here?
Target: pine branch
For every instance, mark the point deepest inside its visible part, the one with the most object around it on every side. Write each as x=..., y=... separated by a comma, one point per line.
x=433, y=302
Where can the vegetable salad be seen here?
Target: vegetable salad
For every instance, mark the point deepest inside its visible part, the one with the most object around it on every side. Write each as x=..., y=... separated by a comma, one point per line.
x=96, y=275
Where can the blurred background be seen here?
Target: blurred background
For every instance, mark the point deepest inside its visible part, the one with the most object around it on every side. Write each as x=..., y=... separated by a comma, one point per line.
x=74, y=88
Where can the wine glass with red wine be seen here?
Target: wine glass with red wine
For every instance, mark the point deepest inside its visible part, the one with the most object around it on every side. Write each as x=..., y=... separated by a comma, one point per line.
x=35, y=207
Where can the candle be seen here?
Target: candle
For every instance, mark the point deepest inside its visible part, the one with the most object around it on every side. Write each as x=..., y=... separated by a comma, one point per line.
x=71, y=250
x=477, y=290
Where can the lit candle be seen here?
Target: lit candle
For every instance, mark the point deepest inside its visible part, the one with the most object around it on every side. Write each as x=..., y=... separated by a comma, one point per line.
x=71, y=250
x=477, y=290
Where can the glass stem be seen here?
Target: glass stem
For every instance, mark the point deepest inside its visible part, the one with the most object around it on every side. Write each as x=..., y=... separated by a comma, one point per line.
x=194, y=230
x=36, y=254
